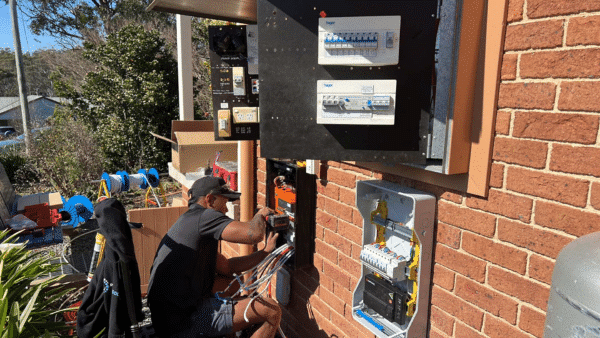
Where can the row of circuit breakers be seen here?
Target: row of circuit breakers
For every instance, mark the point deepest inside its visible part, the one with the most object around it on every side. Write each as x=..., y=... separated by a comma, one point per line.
x=342, y=41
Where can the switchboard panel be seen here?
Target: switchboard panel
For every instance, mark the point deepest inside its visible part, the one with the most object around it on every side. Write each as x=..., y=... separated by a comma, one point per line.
x=354, y=41
x=308, y=48
x=291, y=193
x=356, y=102
x=392, y=297
x=234, y=80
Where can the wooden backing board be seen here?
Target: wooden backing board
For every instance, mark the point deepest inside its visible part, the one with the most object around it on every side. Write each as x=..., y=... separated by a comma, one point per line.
x=156, y=222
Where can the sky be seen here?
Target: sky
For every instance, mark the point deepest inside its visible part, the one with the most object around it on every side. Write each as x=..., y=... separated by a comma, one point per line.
x=29, y=42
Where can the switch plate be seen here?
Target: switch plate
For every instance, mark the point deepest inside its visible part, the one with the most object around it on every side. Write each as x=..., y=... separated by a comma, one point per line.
x=224, y=123
x=245, y=115
x=359, y=41
x=239, y=81
x=364, y=102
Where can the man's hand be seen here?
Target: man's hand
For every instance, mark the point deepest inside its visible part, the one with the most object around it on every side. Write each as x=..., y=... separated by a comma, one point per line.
x=271, y=242
x=264, y=212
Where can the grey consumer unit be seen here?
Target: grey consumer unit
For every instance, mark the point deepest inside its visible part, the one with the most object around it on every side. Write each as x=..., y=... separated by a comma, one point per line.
x=392, y=296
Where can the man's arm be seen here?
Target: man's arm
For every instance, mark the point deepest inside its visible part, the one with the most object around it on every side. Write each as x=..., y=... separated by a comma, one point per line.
x=228, y=267
x=247, y=232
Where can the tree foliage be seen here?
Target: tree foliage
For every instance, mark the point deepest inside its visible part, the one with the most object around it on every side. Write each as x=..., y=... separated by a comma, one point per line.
x=36, y=74
x=132, y=92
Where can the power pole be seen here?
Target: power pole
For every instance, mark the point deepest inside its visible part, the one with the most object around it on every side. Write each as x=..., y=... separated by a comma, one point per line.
x=20, y=74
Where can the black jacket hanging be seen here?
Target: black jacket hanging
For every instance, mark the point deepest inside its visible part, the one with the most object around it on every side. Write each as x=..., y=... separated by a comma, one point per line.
x=104, y=304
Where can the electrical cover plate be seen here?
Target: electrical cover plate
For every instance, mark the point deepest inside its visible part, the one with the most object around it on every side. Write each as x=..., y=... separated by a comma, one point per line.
x=245, y=115
x=359, y=41
x=408, y=218
x=364, y=102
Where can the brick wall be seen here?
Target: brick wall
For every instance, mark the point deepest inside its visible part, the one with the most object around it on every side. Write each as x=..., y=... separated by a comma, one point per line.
x=494, y=256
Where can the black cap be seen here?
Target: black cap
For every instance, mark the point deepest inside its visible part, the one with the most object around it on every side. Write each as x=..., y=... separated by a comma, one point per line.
x=211, y=185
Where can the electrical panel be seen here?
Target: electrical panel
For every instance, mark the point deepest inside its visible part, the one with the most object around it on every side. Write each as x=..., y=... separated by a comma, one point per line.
x=392, y=297
x=357, y=41
x=291, y=194
x=234, y=80
x=356, y=102
x=346, y=81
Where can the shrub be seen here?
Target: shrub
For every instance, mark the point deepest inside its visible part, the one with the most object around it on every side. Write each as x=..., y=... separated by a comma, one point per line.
x=25, y=306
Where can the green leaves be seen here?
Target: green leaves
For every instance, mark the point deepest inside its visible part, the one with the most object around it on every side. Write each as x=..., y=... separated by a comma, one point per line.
x=26, y=302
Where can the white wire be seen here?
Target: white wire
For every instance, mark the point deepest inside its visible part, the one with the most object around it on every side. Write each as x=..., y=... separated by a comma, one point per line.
x=152, y=189
x=137, y=180
x=116, y=182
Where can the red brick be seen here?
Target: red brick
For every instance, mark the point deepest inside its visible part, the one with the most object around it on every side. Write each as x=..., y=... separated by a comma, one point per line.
x=443, y=277
x=569, y=64
x=460, y=262
x=350, y=265
x=532, y=321
x=515, y=10
x=357, y=219
x=338, y=209
x=436, y=333
x=536, y=35
x=503, y=255
x=355, y=168
x=560, y=188
x=333, y=301
x=318, y=261
x=261, y=176
x=328, y=189
x=468, y=219
x=261, y=188
x=497, y=328
x=595, y=195
x=505, y=204
x=582, y=96
x=576, y=160
x=457, y=307
x=509, y=67
x=344, y=294
x=570, y=220
x=528, y=153
x=448, y=235
x=497, y=175
x=336, y=274
x=542, y=241
x=577, y=128
x=343, y=324
x=451, y=196
x=521, y=287
x=326, y=220
x=300, y=290
x=261, y=164
x=540, y=268
x=584, y=31
x=503, y=122
x=527, y=95
x=348, y=196
x=338, y=242
x=317, y=304
x=463, y=331
x=350, y=231
x=319, y=232
x=328, y=252
x=356, y=251
x=546, y=8
x=487, y=299
x=333, y=164
x=442, y=320
x=343, y=178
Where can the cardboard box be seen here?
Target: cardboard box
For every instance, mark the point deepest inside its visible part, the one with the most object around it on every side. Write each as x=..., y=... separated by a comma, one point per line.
x=53, y=199
x=193, y=145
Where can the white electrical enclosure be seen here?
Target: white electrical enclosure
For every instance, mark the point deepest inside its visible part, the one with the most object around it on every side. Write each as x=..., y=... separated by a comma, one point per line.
x=392, y=297
x=359, y=41
x=365, y=102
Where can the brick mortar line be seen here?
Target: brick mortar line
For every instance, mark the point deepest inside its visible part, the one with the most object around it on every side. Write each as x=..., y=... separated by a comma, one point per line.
x=536, y=110
x=557, y=81
x=548, y=156
x=566, y=143
x=565, y=30
x=557, y=96
x=526, y=19
x=551, y=49
x=584, y=177
x=518, y=70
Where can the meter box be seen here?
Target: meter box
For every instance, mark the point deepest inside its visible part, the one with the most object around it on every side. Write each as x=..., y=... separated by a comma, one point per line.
x=291, y=194
x=356, y=102
x=234, y=80
x=392, y=297
x=346, y=81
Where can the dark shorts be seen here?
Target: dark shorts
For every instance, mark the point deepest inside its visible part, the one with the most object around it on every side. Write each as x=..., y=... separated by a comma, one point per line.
x=213, y=318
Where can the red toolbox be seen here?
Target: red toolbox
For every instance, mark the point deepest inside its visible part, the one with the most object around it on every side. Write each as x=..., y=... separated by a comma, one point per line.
x=227, y=170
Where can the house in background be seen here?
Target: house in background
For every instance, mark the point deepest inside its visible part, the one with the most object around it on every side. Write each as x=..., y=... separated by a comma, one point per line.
x=40, y=109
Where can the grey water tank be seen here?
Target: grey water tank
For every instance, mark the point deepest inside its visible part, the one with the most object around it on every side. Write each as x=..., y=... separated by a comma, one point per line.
x=574, y=303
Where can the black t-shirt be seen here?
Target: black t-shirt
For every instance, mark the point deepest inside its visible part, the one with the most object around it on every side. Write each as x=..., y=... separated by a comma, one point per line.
x=183, y=272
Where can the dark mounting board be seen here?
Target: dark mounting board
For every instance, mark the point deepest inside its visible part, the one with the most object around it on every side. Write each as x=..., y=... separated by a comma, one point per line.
x=228, y=48
x=289, y=70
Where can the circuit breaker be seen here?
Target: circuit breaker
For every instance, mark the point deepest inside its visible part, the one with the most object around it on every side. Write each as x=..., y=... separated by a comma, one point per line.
x=234, y=80
x=291, y=194
x=392, y=297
